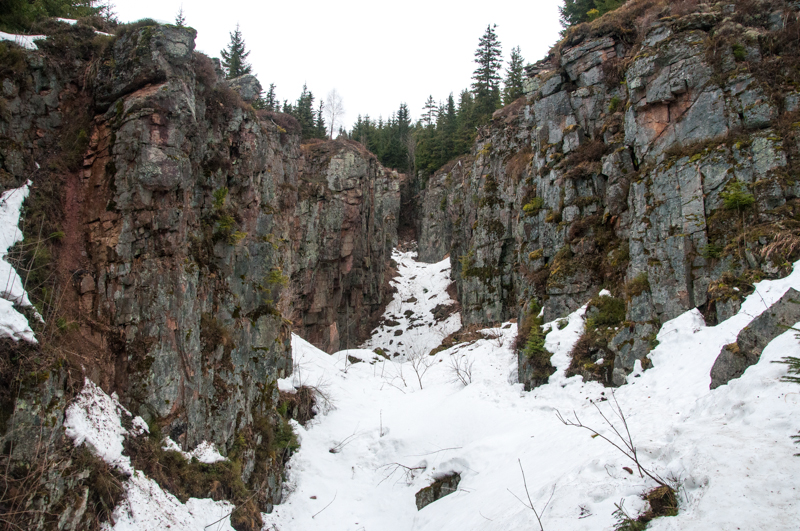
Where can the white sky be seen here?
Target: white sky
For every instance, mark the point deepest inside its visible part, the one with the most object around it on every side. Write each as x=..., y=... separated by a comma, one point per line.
x=376, y=55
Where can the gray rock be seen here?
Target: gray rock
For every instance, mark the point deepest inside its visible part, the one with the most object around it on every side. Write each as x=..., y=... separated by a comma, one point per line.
x=247, y=86
x=735, y=358
x=440, y=488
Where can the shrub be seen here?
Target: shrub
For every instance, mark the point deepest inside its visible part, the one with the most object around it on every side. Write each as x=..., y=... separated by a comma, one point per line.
x=736, y=197
x=711, y=251
x=637, y=285
x=739, y=52
x=613, y=105
x=533, y=207
x=610, y=312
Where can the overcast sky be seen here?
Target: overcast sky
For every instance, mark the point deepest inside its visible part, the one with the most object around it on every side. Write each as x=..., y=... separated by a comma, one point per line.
x=375, y=54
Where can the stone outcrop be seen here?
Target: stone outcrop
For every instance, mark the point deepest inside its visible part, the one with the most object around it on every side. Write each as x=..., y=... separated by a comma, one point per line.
x=662, y=167
x=195, y=235
x=735, y=358
x=440, y=488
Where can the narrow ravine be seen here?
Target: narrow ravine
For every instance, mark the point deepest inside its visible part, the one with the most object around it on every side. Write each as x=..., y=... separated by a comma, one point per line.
x=390, y=421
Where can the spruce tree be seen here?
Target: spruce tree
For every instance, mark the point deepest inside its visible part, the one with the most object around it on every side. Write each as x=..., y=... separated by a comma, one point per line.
x=270, y=100
x=486, y=86
x=180, y=19
x=234, y=57
x=429, y=112
x=303, y=110
x=514, y=76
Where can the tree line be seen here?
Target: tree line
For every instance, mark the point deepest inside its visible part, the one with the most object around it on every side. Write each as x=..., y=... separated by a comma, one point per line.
x=446, y=129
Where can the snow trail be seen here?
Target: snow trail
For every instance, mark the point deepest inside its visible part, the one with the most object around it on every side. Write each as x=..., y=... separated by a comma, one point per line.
x=388, y=433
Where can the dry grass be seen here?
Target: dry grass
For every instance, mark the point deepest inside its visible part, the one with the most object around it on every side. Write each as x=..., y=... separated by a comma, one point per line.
x=518, y=164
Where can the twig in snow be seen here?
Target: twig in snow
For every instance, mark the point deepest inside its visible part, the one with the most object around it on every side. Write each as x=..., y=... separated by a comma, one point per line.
x=407, y=471
x=626, y=445
x=436, y=452
x=333, y=500
x=530, y=505
x=461, y=369
x=347, y=440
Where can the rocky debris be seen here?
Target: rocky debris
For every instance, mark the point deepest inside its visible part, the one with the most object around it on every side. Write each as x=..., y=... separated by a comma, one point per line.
x=248, y=87
x=622, y=170
x=441, y=311
x=440, y=488
x=736, y=357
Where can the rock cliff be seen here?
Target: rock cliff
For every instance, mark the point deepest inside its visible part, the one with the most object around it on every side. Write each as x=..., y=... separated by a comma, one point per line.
x=190, y=235
x=655, y=154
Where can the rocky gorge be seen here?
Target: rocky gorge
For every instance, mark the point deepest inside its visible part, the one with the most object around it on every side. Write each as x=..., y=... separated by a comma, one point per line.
x=175, y=237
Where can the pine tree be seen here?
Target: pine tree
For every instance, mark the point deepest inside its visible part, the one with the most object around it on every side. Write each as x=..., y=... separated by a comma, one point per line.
x=430, y=110
x=447, y=130
x=234, y=57
x=467, y=122
x=514, y=77
x=180, y=19
x=486, y=86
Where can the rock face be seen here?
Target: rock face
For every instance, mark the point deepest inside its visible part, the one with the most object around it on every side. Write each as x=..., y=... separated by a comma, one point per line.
x=344, y=230
x=663, y=170
x=196, y=234
x=746, y=351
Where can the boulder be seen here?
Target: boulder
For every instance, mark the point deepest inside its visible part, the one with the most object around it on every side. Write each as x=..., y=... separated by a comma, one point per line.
x=736, y=357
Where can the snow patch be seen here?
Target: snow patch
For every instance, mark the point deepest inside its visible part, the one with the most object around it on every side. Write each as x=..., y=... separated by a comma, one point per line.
x=13, y=324
x=205, y=452
x=95, y=419
x=24, y=41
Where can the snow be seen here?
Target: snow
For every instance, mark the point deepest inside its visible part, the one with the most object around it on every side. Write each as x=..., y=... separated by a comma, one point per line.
x=205, y=452
x=13, y=324
x=25, y=41
x=420, y=288
x=95, y=419
x=729, y=449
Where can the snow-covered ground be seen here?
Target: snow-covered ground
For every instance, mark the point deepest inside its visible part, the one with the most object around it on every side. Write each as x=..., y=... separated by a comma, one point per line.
x=389, y=426
x=409, y=328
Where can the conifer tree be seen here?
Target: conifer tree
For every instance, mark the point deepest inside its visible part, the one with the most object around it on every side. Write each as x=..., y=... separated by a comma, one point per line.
x=514, y=76
x=321, y=129
x=430, y=110
x=234, y=58
x=180, y=19
x=486, y=86
x=270, y=100
x=577, y=11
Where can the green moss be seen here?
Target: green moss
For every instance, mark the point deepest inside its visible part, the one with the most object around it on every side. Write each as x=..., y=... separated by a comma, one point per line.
x=533, y=206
